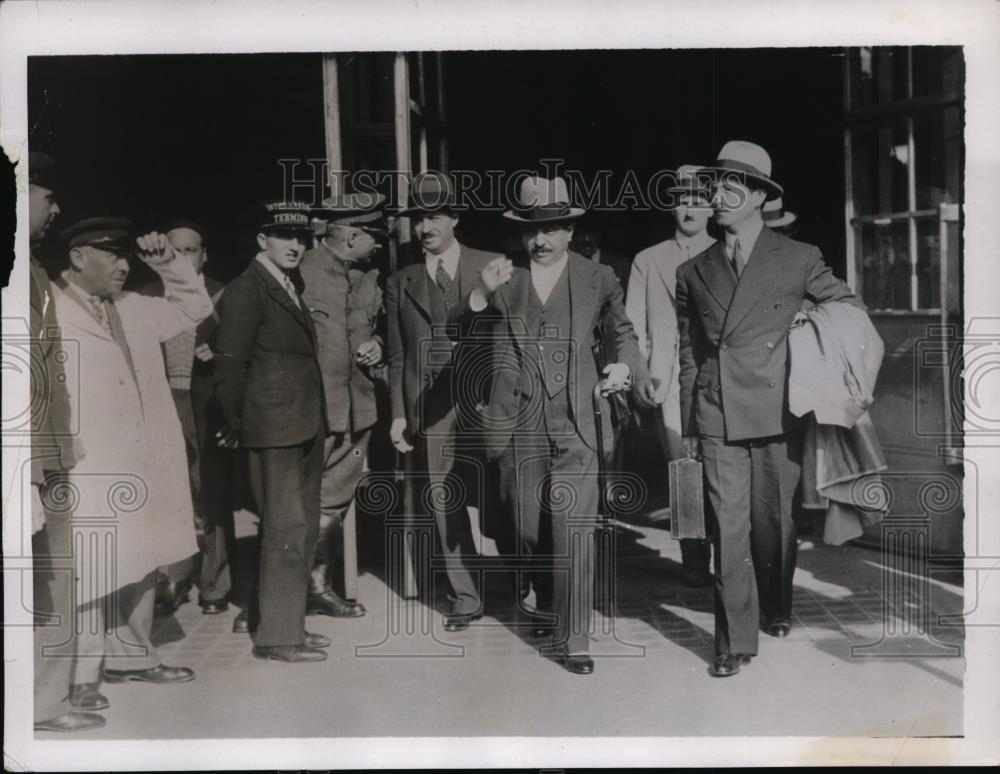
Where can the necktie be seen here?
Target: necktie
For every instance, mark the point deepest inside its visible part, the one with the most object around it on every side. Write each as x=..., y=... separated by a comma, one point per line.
x=97, y=304
x=290, y=288
x=739, y=262
x=442, y=278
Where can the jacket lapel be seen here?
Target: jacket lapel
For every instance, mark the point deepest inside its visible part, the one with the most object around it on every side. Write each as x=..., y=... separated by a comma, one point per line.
x=280, y=296
x=584, y=294
x=666, y=263
x=717, y=275
x=84, y=317
x=513, y=302
x=416, y=288
x=757, y=277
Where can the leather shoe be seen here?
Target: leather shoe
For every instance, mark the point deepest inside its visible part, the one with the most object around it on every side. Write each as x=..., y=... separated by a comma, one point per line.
x=779, y=629
x=581, y=664
x=159, y=674
x=72, y=721
x=290, y=654
x=213, y=606
x=460, y=621
x=695, y=577
x=727, y=664
x=86, y=697
x=330, y=603
x=171, y=596
x=241, y=624
x=316, y=640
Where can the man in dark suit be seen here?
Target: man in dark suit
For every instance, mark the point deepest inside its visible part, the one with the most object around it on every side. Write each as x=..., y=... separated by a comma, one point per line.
x=539, y=420
x=424, y=302
x=735, y=303
x=270, y=387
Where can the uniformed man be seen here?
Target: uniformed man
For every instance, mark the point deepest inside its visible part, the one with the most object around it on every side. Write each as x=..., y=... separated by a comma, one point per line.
x=344, y=299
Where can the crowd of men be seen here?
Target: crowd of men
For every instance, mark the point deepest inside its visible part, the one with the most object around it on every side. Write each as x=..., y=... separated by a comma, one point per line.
x=490, y=379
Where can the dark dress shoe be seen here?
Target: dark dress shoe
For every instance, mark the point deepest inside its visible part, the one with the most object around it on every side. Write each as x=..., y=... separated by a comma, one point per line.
x=581, y=664
x=213, y=606
x=695, y=577
x=170, y=596
x=86, y=697
x=779, y=629
x=329, y=603
x=160, y=675
x=241, y=624
x=457, y=622
x=290, y=654
x=72, y=721
x=316, y=640
x=727, y=664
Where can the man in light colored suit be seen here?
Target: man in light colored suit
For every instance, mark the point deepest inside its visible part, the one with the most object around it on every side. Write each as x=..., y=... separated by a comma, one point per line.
x=735, y=303
x=652, y=307
x=431, y=408
x=134, y=466
x=539, y=421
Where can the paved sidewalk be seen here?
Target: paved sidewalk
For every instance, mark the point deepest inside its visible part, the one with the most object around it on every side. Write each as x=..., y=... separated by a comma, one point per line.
x=651, y=675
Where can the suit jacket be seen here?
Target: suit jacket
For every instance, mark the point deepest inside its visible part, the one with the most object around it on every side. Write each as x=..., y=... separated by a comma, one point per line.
x=619, y=264
x=593, y=288
x=734, y=337
x=268, y=380
x=421, y=376
x=135, y=469
x=345, y=302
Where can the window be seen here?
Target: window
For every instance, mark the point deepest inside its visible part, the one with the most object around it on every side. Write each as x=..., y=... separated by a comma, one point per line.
x=903, y=140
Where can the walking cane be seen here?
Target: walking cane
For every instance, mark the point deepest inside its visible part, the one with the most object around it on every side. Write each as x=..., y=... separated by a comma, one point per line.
x=605, y=557
x=402, y=468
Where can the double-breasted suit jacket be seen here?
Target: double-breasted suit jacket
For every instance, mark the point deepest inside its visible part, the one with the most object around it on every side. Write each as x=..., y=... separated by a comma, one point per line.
x=733, y=377
x=268, y=380
x=734, y=337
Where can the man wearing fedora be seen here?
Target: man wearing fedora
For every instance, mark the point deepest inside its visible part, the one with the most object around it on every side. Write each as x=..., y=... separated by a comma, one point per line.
x=777, y=218
x=735, y=303
x=539, y=420
x=344, y=299
x=431, y=406
x=270, y=387
x=651, y=305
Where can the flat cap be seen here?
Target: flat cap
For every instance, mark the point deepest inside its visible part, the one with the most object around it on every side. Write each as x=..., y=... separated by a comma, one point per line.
x=42, y=170
x=112, y=234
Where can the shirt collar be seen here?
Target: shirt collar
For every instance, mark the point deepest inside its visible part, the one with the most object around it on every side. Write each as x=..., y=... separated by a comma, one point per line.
x=694, y=244
x=747, y=234
x=596, y=257
x=274, y=271
x=450, y=258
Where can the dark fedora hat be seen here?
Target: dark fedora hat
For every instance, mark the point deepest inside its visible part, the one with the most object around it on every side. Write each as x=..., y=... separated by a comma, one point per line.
x=748, y=161
x=42, y=170
x=285, y=216
x=430, y=191
x=543, y=201
x=111, y=234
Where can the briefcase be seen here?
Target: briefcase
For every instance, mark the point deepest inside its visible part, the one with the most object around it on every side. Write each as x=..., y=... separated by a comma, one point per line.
x=687, y=499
